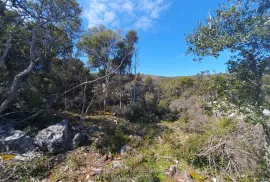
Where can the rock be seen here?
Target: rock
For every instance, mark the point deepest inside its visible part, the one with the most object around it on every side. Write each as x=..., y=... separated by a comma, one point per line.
x=14, y=140
x=93, y=129
x=171, y=171
x=179, y=176
x=53, y=139
x=126, y=150
x=80, y=139
x=266, y=112
x=96, y=171
x=116, y=164
x=27, y=156
x=183, y=176
x=115, y=121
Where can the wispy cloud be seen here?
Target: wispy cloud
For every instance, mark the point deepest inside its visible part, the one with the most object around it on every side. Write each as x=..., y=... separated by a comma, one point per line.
x=180, y=56
x=139, y=14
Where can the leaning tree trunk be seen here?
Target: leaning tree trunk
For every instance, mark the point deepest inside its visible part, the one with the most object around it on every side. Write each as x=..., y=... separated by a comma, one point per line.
x=13, y=89
x=266, y=129
x=15, y=83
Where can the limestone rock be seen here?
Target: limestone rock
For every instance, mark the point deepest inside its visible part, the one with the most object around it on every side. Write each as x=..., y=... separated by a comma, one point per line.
x=14, y=140
x=53, y=139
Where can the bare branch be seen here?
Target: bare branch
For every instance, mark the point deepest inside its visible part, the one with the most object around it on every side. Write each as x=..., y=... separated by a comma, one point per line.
x=92, y=81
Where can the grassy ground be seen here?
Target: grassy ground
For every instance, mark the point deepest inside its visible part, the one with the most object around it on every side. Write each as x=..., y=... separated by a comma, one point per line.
x=152, y=149
x=148, y=157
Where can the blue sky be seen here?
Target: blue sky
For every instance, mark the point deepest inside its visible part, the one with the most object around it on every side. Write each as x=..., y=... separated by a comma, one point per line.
x=161, y=25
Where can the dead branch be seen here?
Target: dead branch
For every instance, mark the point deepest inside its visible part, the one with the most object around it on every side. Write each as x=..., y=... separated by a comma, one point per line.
x=92, y=81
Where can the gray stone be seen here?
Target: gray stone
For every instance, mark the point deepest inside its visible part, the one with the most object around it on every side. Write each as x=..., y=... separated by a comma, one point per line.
x=179, y=176
x=14, y=140
x=171, y=171
x=80, y=139
x=126, y=150
x=53, y=139
x=27, y=156
x=93, y=129
x=96, y=171
x=116, y=164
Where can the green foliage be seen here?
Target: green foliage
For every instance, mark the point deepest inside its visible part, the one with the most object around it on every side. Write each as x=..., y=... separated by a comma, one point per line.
x=36, y=168
x=136, y=173
x=114, y=140
x=189, y=150
x=47, y=34
x=242, y=28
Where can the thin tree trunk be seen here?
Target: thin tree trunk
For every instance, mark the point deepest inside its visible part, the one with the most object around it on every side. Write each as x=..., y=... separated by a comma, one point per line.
x=14, y=86
x=120, y=105
x=33, y=60
x=266, y=129
x=8, y=45
x=84, y=99
x=88, y=107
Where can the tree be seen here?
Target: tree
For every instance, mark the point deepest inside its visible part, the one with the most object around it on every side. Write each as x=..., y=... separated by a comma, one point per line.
x=40, y=20
x=107, y=50
x=242, y=27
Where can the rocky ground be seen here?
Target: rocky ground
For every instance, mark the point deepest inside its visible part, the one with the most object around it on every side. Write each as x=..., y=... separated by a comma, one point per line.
x=102, y=148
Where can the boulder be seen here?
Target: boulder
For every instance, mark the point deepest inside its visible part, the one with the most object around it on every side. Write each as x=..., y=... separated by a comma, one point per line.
x=80, y=139
x=53, y=139
x=14, y=140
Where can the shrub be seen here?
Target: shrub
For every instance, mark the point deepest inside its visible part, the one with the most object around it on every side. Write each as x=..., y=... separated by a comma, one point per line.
x=139, y=173
x=189, y=150
x=113, y=141
x=22, y=171
x=133, y=111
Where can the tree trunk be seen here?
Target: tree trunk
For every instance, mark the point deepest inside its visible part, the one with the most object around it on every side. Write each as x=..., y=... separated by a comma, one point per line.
x=33, y=60
x=88, y=107
x=266, y=129
x=84, y=99
x=120, y=104
x=13, y=89
x=8, y=45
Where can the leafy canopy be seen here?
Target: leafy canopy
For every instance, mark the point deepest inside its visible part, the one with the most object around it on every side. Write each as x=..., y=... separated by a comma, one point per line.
x=243, y=28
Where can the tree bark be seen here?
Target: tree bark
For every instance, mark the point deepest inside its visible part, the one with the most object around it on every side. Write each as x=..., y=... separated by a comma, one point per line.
x=8, y=45
x=266, y=129
x=33, y=60
x=84, y=99
x=14, y=86
x=88, y=107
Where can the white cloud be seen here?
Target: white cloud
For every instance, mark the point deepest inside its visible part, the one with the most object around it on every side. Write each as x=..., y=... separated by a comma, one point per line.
x=139, y=14
x=144, y=23
x=128, y=7
x=109, y=17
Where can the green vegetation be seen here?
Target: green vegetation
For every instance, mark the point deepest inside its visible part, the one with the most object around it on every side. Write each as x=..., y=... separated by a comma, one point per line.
x=206, y=126
x=37, y=168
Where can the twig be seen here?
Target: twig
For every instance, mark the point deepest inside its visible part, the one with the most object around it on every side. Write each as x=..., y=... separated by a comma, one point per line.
x=29, y=118
x=88, y=82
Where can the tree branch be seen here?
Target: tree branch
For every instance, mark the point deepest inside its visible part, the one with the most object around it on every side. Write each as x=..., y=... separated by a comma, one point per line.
x=92, y=81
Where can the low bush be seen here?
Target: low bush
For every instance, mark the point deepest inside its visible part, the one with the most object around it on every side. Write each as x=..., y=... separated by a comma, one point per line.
x=36, y=168
x=138, y=173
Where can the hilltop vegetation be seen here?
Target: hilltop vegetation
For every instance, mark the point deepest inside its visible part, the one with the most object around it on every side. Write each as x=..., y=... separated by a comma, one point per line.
x=123, y=125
